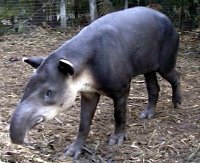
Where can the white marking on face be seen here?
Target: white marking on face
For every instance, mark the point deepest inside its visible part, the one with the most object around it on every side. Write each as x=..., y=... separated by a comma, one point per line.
x=82, y=83
x=49, y=112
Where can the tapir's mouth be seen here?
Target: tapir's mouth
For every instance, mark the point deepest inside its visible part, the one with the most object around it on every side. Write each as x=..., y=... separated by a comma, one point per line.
x=35, y=121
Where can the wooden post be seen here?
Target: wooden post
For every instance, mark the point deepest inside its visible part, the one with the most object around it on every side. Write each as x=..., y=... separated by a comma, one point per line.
x=126, y=4
x=181, y=15
x=93, y=10
x=63, y=14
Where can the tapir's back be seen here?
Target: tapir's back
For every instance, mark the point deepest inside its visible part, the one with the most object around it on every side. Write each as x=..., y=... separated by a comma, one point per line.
x=135, y=15
x=136, y=37
x=134, y=20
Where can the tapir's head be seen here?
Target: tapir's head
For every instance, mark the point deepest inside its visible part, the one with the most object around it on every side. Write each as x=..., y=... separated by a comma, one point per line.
x=51, y=89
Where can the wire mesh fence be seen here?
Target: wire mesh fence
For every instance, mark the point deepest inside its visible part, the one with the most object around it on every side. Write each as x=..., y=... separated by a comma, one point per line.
x=21, y=15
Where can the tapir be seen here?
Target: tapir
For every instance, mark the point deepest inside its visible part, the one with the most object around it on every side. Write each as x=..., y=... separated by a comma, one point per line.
x=101, y=60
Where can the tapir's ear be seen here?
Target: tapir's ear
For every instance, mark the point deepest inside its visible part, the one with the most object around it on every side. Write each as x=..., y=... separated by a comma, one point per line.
x=66, y=67
x=33, y=61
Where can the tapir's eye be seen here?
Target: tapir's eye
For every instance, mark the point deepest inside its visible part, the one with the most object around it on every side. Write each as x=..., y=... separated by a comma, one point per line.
x=49, y=97
x=48, y=93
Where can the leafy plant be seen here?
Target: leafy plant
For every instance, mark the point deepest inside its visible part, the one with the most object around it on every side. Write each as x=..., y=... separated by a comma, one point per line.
x=108, y=6
x=105, y=7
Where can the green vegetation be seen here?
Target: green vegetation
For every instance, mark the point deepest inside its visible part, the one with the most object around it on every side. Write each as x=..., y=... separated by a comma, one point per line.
x=20, y=15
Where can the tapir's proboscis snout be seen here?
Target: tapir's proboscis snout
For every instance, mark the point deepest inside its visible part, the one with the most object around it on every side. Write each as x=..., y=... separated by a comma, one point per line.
x=101, y=60
x=22, y=120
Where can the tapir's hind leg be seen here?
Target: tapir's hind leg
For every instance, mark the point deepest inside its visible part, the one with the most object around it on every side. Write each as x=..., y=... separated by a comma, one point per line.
x=173, y=78
x=153, y=93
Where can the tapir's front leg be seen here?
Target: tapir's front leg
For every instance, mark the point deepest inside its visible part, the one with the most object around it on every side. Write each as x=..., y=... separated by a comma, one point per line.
x=89, y=102
x=119, y=134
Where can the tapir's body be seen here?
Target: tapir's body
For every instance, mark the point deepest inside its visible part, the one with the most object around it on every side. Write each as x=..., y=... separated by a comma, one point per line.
x=101, y=59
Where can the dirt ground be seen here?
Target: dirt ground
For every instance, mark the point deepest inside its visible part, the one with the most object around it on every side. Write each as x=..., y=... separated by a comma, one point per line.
x=173, y=135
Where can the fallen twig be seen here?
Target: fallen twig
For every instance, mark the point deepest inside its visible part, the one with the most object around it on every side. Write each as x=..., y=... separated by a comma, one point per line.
x=193, y=155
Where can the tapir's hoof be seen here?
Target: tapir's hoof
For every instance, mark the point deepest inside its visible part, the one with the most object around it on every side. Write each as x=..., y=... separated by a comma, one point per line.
x=147, y=114
x=117, y=139
x=73, y=151
x=176, y=102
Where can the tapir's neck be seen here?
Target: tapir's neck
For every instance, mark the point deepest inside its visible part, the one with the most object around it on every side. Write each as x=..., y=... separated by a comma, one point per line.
x=83, y=82
x=78, y=46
